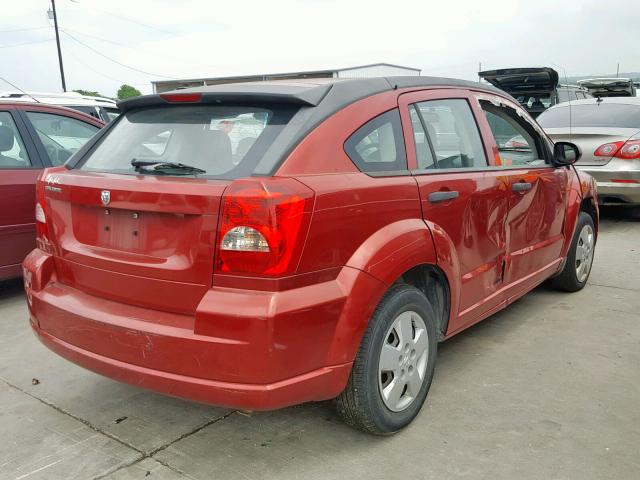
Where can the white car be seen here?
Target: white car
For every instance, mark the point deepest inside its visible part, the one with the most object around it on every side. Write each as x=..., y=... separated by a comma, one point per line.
x=102, y=108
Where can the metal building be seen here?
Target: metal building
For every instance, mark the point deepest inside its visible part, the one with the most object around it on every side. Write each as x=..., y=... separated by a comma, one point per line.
x=362, y=71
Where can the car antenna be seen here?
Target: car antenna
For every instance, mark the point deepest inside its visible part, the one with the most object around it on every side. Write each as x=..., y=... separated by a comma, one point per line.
x=18, y=88
x=566, y=82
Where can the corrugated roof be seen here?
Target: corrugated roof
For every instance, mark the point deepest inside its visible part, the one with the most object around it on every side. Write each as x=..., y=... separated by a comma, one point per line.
x=304, y=72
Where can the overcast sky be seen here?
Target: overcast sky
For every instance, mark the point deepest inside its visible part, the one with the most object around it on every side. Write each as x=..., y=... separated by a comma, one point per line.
x=201, y=38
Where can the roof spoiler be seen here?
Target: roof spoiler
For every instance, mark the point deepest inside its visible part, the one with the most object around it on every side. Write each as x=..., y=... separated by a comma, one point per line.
x=300, y=95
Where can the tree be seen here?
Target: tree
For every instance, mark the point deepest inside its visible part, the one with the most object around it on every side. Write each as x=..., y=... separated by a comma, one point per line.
x=89, y=93
x=127, y=91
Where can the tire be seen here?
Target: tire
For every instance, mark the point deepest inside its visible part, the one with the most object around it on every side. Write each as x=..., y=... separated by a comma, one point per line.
x=370, y=401
x=572, y=279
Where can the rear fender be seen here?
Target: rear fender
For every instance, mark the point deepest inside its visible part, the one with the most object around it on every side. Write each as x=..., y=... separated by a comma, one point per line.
x=447, y=260
x=381, y=260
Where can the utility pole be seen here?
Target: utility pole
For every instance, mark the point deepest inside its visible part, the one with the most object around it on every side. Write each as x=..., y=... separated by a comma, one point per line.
x=55, y=24
x=618, y=71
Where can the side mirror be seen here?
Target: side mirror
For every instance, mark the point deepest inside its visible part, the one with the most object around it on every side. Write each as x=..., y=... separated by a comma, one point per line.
x=565, y=153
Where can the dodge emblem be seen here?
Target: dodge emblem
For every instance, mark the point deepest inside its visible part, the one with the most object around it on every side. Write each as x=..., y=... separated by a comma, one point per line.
x=105, y=196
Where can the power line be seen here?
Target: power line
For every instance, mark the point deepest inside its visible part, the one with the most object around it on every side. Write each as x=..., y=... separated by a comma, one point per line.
x=91, y=68
x=82, y=62
x=27, y=43
x=122, y=45
x=23, y=29
x=123, y=17
x=113, y=60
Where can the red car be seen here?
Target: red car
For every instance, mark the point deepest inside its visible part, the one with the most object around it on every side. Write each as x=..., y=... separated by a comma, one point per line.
x=32, y=137
x=266, y=244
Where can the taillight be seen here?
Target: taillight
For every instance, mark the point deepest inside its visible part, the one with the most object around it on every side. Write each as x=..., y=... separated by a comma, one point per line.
x=628, y=150
x=263, y=226
x=608, y=149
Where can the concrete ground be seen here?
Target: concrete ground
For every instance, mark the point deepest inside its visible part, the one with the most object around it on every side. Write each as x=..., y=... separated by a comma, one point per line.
x=547, y=389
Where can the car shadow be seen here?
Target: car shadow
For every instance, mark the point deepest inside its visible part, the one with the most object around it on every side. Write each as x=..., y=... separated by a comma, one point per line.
x=620, y=213
x=11, y=289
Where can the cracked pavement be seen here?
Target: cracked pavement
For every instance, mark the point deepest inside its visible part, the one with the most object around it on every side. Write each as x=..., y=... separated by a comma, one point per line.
x=548, y=388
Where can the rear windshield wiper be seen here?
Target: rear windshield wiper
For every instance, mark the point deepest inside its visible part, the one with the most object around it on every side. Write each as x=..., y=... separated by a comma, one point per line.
x=164, y=167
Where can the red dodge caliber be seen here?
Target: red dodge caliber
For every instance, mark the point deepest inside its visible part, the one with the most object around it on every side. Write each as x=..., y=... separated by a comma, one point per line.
x=266, y=244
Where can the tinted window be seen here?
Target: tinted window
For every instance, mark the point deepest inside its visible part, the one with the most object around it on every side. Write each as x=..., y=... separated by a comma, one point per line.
x=378, y=145
x=215, y=138
x=112, y=113
x=515, y=140
x=61, y=136
x=453, y=133
x=593, y=115
x=12, y=151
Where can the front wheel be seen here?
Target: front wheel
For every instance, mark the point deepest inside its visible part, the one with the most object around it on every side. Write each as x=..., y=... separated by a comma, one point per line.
x=393, y=369
x=577, y=268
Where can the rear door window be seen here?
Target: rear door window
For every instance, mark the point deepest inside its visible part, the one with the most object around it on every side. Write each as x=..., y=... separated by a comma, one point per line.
x=378, y=146
x=452, y=135
x=12, y=151
x=215, y=138
x=61, y=136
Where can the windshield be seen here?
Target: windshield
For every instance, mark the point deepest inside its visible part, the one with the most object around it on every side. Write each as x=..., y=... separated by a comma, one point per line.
x=532, y=101
x=217, y=139
x=593, y=115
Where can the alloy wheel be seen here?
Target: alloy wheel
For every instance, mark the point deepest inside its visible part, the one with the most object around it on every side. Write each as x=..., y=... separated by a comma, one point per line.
x=403, y=361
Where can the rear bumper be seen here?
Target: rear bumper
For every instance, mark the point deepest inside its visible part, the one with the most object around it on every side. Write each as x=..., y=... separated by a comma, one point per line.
x=616, y=192
x=243, y=349
x=320, y=384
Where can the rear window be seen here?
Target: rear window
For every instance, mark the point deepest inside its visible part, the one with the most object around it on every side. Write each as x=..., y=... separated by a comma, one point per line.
x=603, y=115
x=224, y=141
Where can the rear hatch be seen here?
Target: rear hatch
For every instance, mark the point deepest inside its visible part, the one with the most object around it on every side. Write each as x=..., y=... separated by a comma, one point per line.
x=145, y=235
x=144, y=240
x=534, y=88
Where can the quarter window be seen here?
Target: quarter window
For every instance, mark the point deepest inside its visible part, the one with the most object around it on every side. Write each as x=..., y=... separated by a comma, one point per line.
x=378, y=145
x=61, y=136
x=516, y=143
x=12, y=151
x=451, y=132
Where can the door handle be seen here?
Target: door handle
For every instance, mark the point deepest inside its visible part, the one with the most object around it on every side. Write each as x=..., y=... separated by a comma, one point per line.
x=443, y=196
x=521, y=186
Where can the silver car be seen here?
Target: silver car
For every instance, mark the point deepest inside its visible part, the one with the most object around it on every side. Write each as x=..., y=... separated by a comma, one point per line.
x=608, y=132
